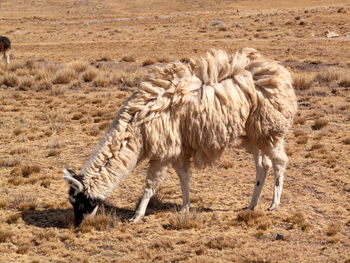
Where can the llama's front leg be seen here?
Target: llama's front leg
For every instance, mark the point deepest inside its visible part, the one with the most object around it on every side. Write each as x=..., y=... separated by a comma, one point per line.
x=155, y=175
x=184, y=175
x=7, y=57
x=279, y=161
x=262, y=165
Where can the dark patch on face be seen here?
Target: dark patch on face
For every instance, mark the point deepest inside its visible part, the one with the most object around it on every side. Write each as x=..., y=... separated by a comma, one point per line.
x=82, y=205
x=257, y=183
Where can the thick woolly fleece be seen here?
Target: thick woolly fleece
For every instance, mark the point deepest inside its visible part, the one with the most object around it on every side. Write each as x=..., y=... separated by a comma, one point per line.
x=196, y=110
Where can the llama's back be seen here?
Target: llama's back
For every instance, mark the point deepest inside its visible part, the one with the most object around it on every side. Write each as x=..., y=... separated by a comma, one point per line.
x=201, y=107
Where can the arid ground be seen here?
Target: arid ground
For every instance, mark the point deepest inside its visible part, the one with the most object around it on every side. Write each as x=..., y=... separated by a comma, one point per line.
x=73, y=66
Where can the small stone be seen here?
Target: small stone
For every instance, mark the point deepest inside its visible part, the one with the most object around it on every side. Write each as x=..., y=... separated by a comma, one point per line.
x=239, y=25
x=297, y=18
x=332, y=34
x=217, y=22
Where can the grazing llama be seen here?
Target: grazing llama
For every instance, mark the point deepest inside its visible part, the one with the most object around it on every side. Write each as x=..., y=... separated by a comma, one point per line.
x=190, y=113
x=5, y=45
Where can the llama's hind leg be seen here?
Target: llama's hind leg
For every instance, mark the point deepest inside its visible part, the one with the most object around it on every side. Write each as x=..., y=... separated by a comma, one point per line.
x=155, y=175
x=279, y=160
x=262, y=165
x=184, y=175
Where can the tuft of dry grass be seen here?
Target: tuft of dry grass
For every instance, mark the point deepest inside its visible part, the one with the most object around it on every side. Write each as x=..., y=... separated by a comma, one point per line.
x=53, y=152
x=4, y=204
x=13, y=218
x=298, y=219
x=149, y=61
x=24, y=203
x=103, y=79
x=163, y=244
x=26, y=170
x=26, y=83
x=319, y=124
x=78, y=66
x=299, y=120
x=298, y=133
x=64, y=76
x=19, y=150
x=221, y=242
x=22, y=249
x=10, y=79
x=333, y=229
x=346, y=140
x=101, y=222
x=316, y=146
x=328, y=75
x=128, y=58
x=185, y=220
x=5, y=235
x=254, y=218
x=77, y=116
x=303, y=81
x=90, y=74
x=9, y=162
x=302, y=139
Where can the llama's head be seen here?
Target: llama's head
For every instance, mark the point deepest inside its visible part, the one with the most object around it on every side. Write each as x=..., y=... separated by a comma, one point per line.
x=81, y=203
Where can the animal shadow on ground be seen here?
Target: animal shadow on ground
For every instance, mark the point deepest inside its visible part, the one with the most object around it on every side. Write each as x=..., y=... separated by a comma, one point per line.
x=59, y=218
x=63, y=218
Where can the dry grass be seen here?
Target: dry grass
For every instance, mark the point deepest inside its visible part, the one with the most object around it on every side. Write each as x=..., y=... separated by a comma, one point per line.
x=149, y=61
x=27, y=170
x=303, y=81
x=10, y=80
x=319, y=124
x=64, y=76
x=128, y=58
x=5, y=235
x=186, y=220
x=333, y=229
x=78, y=66
x=346, y=140
x=222, y=242
x=9, y=162
x=90, y=74
x=298, y=220
x=101, y=222
x=58, y=125
x=254, y=218
x=329, y=75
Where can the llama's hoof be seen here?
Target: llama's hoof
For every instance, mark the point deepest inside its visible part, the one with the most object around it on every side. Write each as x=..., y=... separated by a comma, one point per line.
x=271, y=208
x=135, y=219
x=248, y=208
x=184, y=210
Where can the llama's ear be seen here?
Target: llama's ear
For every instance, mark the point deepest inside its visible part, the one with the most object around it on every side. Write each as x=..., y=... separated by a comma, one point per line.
x=73, y=182
x=93, y=213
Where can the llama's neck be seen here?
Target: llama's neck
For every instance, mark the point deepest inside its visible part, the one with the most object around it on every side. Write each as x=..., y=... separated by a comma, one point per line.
x=114, y=158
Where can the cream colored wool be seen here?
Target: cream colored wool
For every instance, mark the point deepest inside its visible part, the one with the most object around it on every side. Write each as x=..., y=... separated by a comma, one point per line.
x=194, y=111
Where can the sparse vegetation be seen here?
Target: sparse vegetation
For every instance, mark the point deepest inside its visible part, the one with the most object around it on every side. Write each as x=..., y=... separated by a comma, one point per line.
x=186, y=220
x=333, y=229
x=303, y=81
x=52, y=125
x=5, y=235
x=298, y=220
x=319, y=124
